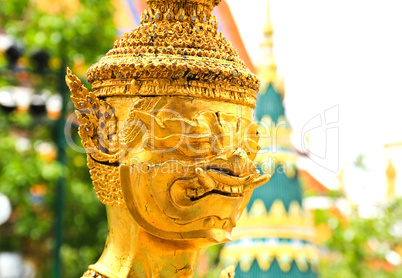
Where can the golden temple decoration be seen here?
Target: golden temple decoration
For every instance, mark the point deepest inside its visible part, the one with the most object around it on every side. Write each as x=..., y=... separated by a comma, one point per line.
x=274, y=236
x=273, y=225
x=276, y=222
x=265, y=253
x=170, y=140
x=267, y=71
x=391, y=175
x=275, y=137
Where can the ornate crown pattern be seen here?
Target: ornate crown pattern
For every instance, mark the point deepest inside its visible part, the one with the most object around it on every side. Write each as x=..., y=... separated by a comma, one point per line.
x=178, y=42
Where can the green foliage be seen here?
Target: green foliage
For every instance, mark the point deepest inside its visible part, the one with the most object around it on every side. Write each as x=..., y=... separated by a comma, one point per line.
x=27, y=176
x=359, y=246
x=84, y=33
x=30, y=229
x=84, y=219
x=208, y=263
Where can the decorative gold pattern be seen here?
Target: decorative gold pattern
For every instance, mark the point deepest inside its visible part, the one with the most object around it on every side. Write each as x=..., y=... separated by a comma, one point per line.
x=98, y=122
x=266, y=228
x=258, y=223
x=277, y=149
x=285, y=254
x=98, y=131
x=106, y=183
x=177, y=50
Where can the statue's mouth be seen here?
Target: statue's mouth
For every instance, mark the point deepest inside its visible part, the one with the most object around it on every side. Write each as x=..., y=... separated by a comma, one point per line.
x=221, y=181
x=214, y=189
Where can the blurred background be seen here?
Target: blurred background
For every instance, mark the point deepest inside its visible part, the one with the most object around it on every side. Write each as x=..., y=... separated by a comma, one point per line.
x=333, y=66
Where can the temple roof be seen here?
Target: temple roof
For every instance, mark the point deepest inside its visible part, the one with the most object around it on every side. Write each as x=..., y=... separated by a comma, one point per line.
x=274, y=236
x=282, y=187
x=269, y=102
x=275, y=271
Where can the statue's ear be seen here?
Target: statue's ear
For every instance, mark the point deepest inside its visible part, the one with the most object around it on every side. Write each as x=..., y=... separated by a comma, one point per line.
x=98, y=129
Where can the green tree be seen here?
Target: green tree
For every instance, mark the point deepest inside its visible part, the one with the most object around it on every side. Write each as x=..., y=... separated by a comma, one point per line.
x=85, y=32
x=74, y=37
x=359, y=246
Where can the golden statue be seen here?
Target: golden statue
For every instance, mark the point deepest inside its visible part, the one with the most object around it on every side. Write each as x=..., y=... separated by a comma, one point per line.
x=170, y=140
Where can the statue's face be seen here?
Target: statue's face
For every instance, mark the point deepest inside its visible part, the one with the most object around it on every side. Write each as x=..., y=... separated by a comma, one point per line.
x=192, y=174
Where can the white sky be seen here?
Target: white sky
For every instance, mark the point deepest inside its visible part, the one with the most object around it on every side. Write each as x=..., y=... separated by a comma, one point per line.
x=343, y=52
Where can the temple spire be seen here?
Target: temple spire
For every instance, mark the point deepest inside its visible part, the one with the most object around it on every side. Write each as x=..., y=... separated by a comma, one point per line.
x=268, y=68
x=274, y=237
x=391, y=174
x=268, y=43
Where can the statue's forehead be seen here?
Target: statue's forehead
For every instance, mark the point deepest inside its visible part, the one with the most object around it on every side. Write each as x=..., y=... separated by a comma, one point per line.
x=189, y=108
x=184, y=108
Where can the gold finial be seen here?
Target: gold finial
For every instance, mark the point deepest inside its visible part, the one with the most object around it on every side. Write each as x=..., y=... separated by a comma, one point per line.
x=391, y=174
x=268, y=70
x=268, y=29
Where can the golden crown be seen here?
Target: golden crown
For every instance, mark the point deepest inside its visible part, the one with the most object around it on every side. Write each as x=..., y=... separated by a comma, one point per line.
x=177, y=50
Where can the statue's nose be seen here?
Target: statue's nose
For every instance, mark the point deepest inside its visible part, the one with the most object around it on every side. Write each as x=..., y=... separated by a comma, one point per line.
x=240, y=162
x=239, y=154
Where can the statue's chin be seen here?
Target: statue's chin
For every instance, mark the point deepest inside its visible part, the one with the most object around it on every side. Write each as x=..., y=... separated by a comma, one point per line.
x=203, y=232
x=199, y=238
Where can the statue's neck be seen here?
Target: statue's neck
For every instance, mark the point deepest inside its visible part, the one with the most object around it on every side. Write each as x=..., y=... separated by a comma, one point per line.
x=132, y=252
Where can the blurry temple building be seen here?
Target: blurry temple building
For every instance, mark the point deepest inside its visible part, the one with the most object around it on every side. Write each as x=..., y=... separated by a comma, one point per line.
x=274, y=237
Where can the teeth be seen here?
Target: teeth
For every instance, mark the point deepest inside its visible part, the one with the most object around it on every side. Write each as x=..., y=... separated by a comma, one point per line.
x=229, y=180
x=200, y=191
x=212, y=179
x=222, y=187
x=195, y=192
x=189, y=192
